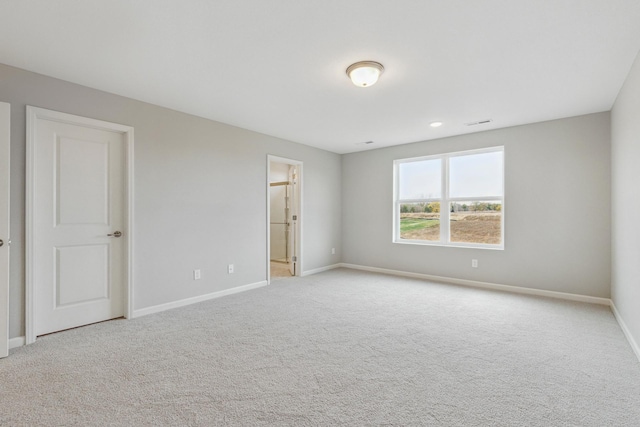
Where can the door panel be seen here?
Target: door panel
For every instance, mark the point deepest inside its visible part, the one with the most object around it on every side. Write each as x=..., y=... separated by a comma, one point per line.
x=81, y=274
x=79, y=200
x=82, y=186
x=4, y=227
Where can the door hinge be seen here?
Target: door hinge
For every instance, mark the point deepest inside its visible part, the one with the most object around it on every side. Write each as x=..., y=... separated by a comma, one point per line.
x=295, y=217
x=294, y=258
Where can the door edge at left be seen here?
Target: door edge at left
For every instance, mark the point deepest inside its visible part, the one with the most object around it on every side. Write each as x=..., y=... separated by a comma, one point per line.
x=5, y=180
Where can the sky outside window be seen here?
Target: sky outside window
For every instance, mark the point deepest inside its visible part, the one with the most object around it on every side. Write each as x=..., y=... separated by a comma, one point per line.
x=476, y=175
x=421, y=179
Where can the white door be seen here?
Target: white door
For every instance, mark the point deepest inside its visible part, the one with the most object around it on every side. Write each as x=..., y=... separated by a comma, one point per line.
x=78, y=219
x=4, y=228
x=293, y=218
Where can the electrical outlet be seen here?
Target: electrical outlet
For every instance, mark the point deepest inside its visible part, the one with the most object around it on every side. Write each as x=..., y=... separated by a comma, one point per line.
x=333, y=251
x=474, y=263
x=230, y=268
x=196, y=274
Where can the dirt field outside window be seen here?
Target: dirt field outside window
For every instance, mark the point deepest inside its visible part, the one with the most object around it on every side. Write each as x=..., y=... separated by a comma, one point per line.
x=466, y=227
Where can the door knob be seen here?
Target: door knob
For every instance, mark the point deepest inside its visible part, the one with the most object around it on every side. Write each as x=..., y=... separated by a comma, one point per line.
x=115, y=234
x=1, y=242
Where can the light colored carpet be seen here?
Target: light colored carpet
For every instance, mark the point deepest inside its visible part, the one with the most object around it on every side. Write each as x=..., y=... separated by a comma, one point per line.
x=338, y=348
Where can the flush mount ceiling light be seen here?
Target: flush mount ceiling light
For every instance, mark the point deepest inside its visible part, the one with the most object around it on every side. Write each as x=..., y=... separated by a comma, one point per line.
x=435, y=124
x=365, y=73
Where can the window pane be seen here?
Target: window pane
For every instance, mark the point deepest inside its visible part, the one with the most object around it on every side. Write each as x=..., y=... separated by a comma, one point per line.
x=420, y=221
x=476, y=175
x=476, y=222
x=420, y=180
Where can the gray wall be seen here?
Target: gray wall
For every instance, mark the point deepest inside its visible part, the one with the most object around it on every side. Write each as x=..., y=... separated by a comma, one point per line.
x=200, y=193
x=557, y=217
x=625, y=201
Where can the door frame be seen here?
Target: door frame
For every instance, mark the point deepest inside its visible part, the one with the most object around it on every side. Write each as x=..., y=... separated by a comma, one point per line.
x=299, y=205
x=5, y=179
x=33, y=115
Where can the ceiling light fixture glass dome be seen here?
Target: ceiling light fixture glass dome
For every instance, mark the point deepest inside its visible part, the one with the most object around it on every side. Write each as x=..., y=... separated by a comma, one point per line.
x=365, y=73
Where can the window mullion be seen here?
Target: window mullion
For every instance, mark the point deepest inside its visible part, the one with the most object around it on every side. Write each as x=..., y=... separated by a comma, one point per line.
x=476, y=199
x=444, y=204
x=418, y=200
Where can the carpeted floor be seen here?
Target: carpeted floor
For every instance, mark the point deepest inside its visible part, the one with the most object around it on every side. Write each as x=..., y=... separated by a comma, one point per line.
x=338, y=348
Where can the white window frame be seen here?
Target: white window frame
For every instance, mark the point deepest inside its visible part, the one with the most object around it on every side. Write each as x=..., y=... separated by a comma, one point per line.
x=445, y=201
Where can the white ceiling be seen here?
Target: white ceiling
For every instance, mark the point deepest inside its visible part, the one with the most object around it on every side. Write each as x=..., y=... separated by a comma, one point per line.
x=278, y=67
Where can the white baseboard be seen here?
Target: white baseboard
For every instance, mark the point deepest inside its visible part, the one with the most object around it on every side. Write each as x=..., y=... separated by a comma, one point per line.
x=17, y=342
x=626, y=331
x=320, y=270
x=193, y=300
x=485, y=285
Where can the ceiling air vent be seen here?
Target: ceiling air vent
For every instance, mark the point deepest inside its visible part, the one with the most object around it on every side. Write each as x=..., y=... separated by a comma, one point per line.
x=479, y=122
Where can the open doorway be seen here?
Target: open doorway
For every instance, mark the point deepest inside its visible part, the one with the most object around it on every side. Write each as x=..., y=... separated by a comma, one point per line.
x=283, y=208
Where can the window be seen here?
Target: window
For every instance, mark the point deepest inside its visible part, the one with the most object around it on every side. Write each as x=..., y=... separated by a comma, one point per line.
x=453, y=199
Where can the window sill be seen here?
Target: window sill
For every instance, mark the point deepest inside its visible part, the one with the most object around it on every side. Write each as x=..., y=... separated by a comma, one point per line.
x=450, y=245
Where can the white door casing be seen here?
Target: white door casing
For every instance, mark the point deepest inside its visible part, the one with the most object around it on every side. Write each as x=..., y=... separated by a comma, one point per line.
x=297, y=206
x=79, y=194
x=5, y=143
